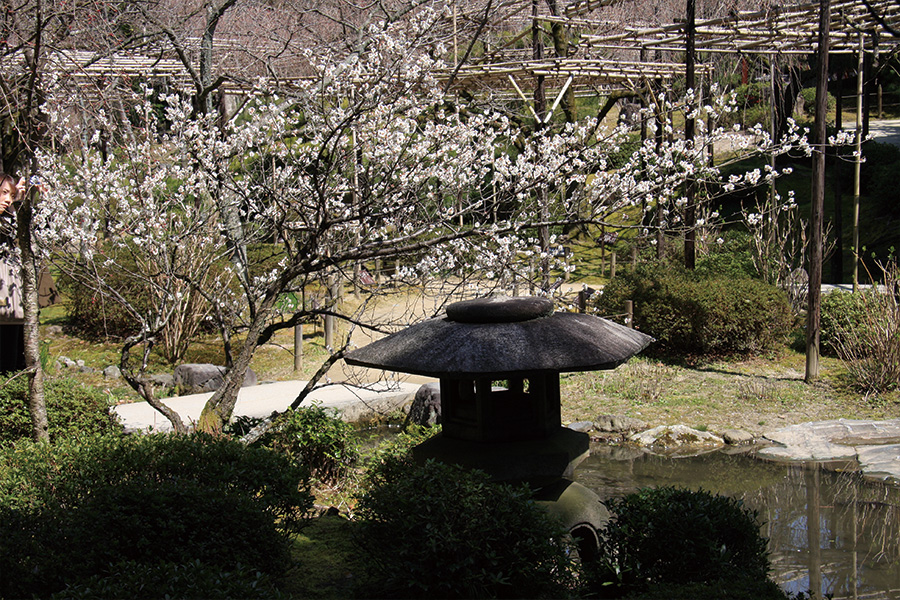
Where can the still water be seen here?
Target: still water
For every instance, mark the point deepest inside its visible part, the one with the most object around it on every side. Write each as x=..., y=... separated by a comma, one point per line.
x=829, y=529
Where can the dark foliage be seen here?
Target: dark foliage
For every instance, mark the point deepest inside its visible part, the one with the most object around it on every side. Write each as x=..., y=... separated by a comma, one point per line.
x=669, y=536
x=697, y=313
x=72, y=408
x=72, y=510
x=441, y=531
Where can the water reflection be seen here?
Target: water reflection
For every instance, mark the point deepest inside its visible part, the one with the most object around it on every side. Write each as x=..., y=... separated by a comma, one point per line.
x=829, y=529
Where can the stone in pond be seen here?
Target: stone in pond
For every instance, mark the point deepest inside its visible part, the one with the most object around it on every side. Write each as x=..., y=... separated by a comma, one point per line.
x=675, y=436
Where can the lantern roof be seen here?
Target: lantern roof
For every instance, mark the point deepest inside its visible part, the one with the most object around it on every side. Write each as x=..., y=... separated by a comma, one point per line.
x=500, y=336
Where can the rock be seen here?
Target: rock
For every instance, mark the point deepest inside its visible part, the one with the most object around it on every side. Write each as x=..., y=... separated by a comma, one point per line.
x=163, y=380
x=582, y=426
x=426, y=406
x=66, y=363
x=85, y=369
x=618, y=424
x=80, y=363
x=53, y=330
x=112, y=372
x=736, y=437
x=197, y=378
x=675, y=436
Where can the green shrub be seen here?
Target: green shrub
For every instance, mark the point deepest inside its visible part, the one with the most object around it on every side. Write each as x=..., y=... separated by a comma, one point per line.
x=398, y=446
x=442, y=531
x=730, y=259
x=865, y=334
x=840, y=311
x=69, y=511
x=670, y=536
x=315, y=438
x=166, y=579
x=809, y=100
x=95, y=317
x=72, y=408
x=688, y=313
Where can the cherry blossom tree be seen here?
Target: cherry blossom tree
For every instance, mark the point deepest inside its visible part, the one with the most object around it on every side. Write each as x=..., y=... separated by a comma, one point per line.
x=364, y=159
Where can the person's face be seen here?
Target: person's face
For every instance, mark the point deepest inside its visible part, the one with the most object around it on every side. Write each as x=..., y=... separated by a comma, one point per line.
x=7, y=194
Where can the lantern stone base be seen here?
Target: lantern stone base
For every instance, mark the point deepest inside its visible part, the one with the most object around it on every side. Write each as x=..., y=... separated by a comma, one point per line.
x=537, y=462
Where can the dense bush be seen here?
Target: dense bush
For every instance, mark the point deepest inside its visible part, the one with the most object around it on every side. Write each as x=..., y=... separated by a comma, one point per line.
x=840, y=311
x=72, y=510
x=316, y=438
x=442, y=531
x=864, y=332
x=190, y=580
x=689, y=313
x=72, y=407
x=730, y=259
x=669, y=536
x=92, y=315
x=809, y=100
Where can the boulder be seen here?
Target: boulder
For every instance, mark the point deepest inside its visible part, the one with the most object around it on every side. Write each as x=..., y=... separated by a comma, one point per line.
x=582, y=426
x=112, y=372
x=618, y=424
x=736, y=437
x=198, y=378
x=163, y=380
x=675, y=436
x=426, y=406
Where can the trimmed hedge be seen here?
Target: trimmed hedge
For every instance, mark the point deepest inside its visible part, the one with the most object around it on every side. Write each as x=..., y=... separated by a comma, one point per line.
x=689, y=313
x=72, y=408
x=665, y=539
x=446, y=532
x=72, y=511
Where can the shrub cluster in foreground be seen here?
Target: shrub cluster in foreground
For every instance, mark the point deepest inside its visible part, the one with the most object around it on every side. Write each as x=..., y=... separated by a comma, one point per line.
x=111, y=516
x=82, y=512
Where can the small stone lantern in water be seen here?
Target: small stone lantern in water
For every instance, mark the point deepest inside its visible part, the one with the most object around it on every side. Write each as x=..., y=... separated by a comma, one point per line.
x=499, y=360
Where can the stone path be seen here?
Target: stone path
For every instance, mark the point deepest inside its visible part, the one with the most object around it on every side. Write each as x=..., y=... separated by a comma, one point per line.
x=875, y=445
x=352, y=403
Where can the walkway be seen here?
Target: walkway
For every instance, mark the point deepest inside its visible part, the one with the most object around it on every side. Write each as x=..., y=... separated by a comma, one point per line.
x=352, y=403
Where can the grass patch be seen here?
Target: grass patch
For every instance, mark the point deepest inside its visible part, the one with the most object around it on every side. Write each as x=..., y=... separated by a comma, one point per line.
x=327, y=561
x=755, y=395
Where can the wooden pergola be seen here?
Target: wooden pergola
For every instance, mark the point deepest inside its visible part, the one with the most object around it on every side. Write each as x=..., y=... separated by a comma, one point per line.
x=784, y=30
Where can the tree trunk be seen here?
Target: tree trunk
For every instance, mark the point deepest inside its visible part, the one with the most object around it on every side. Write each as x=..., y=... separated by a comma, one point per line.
x=37, y=408
x=219, y=408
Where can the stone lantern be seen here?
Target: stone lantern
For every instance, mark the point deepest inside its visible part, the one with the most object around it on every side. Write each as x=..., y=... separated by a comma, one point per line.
x=499, y=361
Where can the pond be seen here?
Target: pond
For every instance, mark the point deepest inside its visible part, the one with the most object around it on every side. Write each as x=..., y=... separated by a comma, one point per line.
x=829, y=529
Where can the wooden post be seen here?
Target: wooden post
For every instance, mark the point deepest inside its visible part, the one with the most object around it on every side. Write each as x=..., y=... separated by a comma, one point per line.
x=690, y=211
x=856, y=163
x=818, y=198
x=582, y=301
x=612, y=265
x=298, y=347
x=837, y=259
x=629, y=313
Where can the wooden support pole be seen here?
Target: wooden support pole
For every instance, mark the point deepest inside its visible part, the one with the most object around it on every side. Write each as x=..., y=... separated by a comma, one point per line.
x=818, y=198
x=690, y=212
x=298, y=347
x=856, y=161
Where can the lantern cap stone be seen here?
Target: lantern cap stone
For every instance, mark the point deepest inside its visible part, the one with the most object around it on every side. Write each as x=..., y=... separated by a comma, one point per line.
x=502, y=336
